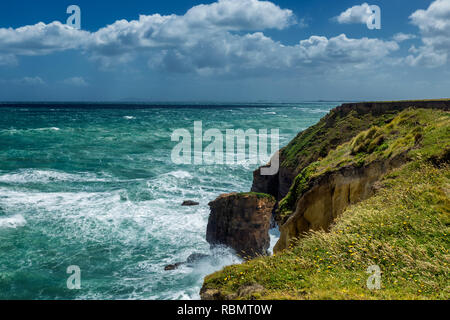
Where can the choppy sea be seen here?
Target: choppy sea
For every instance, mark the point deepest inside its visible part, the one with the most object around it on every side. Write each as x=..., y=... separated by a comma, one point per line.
x=94, y=185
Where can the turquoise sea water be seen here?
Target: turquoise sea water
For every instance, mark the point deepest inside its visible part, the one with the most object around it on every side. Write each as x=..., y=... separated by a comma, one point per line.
x=94, y=186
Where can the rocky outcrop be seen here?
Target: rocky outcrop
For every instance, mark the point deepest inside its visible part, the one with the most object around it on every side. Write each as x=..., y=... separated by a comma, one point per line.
x=329, y=194
x=242, y=222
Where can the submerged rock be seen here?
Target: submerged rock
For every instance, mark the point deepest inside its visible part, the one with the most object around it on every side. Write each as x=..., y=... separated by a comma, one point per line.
x=193, y=258
x=174, y=266
x=242, y=222
x=189, y=203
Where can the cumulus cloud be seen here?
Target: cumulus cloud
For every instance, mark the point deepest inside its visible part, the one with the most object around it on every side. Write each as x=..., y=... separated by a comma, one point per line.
x=239, y=15
x=434, y=27
x=204, y=40
x=122, y=38
x=356, y=14
x=41, y=39
x=258, y=54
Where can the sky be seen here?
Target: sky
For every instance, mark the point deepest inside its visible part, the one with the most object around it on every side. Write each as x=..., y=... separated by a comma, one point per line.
x=224, y=50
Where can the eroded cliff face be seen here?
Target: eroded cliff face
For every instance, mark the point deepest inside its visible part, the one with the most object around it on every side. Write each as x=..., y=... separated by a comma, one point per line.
x=242, y=222
x=328, y=196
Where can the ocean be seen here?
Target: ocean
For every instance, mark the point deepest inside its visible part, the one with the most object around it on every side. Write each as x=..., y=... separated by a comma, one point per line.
x=94, y=186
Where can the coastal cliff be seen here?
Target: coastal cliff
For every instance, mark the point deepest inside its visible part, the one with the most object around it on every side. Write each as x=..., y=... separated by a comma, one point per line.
x=334, y=176
x=339, y=126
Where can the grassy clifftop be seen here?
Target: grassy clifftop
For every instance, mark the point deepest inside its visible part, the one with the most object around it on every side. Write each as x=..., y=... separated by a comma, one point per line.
x=342, y=124
x=336, y=128
x=403, y=228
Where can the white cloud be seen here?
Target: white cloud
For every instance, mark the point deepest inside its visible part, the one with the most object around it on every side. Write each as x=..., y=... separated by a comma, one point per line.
x=356, y=14
x=204, y=40
x=400, y=37
x=75, y=81
x=123, y=39
x=256, y=53
x=29, y=81
x=41, y=39
x=434, y=26
x=426, y=56
x=239, y=15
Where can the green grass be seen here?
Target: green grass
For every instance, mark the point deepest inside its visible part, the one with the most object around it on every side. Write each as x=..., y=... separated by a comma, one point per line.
x=404, y=228
x=334, y=129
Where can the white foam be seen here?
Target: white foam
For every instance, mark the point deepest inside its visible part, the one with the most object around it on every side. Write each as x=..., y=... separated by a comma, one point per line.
x=12, y=222
x=274, y=235
x=180, y=174
x=45, y=176
x=19, y=131
x=46, y=129
x=129, y=117
x=101, y=217
x=310, y=110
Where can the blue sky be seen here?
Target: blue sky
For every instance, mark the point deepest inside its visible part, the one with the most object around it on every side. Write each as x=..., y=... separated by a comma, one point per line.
x=225, y=50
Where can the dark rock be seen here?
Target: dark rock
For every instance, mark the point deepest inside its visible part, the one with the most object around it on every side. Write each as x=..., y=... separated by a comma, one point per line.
x=174, y=266
x=265, y=184
x=189, y=203
x=242, y=222
x=193, y=258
